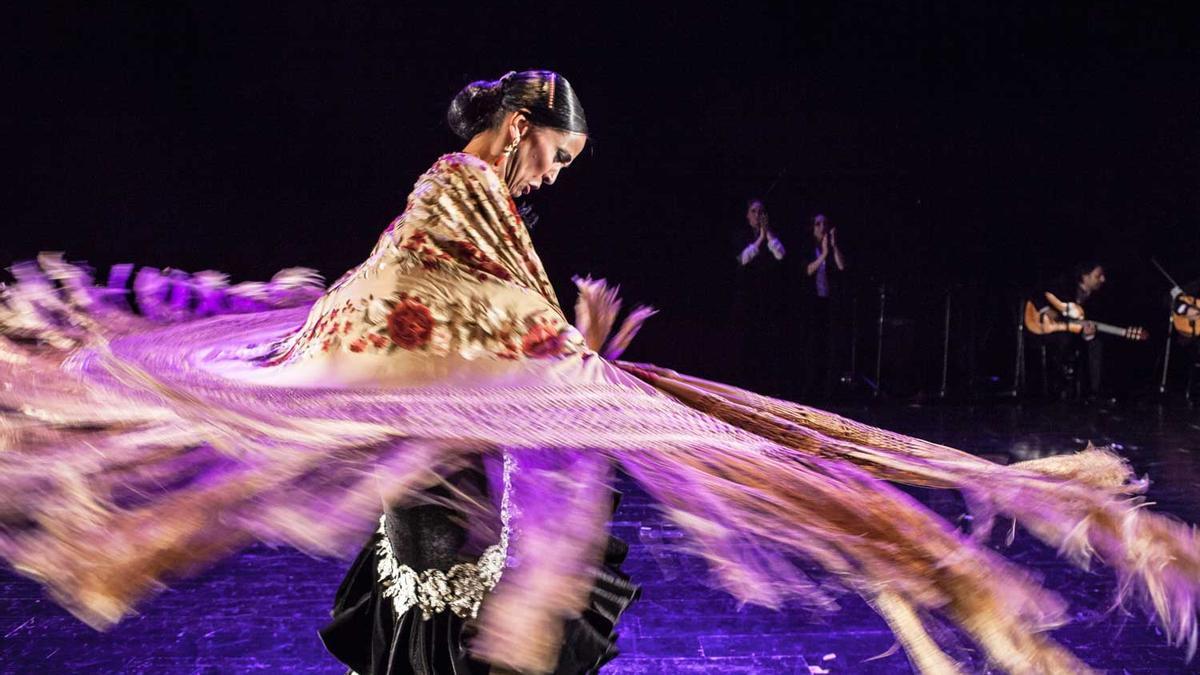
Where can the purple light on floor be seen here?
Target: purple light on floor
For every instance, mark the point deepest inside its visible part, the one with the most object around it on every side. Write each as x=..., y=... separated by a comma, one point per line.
x=260, y=611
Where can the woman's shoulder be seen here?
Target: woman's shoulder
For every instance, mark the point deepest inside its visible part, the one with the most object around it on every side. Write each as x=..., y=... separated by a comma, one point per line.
x=461, y=173
x=463, y=164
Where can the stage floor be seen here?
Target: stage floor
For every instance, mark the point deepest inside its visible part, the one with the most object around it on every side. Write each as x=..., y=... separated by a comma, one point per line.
x=260, y=611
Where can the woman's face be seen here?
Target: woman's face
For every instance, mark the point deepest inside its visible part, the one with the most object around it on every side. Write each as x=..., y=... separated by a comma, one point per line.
x=819, y=228
x=755, y=214
x=542, y=153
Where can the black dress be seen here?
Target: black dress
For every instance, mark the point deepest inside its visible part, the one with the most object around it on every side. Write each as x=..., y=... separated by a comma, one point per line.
x=763, y=317
x=824, y=328
x=371, y=637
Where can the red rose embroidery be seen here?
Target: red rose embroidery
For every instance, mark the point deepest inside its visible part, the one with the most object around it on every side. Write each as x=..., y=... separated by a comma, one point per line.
x=470, y=255
x=410, y=324
x=415, y=241
x=358, y=345
x=542, y=340
x=377, y=341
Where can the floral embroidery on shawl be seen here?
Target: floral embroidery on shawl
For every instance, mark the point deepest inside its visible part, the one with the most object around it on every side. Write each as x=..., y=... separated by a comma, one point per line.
x=461, y=234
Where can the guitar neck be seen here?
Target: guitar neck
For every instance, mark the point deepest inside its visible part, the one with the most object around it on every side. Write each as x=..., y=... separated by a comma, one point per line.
x=1111, y=330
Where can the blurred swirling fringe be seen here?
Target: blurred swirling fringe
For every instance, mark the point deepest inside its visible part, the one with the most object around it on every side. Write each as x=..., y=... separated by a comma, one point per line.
x=124, y=463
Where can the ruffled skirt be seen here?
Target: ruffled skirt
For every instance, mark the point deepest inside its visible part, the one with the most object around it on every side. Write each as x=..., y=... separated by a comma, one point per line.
x=372, y=638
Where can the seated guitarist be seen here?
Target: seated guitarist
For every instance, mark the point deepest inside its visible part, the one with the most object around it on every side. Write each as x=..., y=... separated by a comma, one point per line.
x=1066, y=351
x=1185, y=314
x=1184, y=304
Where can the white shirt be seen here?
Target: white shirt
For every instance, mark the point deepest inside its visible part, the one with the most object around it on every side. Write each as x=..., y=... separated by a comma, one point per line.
x=751, y=251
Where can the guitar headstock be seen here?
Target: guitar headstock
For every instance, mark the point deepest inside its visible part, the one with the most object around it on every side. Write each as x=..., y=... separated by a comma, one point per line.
x=1137, y=333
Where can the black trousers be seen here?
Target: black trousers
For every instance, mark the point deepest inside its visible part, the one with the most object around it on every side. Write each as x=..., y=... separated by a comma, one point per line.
x=1073, y=361
x=825, y=345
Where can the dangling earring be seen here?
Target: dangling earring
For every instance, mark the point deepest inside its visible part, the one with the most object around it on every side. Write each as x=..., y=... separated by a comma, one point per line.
x=507, y=154
x=512, y=147
x=508, y=150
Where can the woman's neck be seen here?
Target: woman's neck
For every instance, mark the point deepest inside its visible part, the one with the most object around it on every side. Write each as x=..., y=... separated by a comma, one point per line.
x=488, y=146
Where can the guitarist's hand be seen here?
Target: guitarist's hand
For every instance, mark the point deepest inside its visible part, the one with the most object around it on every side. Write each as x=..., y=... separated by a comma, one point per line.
x=1089, y=330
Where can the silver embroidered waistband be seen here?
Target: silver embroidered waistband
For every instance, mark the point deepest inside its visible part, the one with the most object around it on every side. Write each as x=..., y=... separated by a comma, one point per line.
x=460, y=589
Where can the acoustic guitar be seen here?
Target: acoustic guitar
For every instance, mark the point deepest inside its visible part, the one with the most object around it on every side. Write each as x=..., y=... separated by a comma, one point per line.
x=1186, y=317
x=1067, y=317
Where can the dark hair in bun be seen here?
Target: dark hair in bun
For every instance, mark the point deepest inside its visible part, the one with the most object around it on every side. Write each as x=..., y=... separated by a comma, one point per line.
x=546, y=95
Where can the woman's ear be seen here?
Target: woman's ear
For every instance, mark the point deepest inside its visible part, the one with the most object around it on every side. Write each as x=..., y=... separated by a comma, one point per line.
x=520, y=123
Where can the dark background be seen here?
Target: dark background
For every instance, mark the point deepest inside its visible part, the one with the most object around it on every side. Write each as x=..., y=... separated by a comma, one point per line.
x=978, y=148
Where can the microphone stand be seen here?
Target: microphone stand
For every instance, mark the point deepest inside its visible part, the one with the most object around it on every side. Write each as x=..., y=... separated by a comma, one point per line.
x=878, y=385
x=945, y=348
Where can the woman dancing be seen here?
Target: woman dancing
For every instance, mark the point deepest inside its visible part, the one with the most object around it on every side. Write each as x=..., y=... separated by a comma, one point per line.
x=441, y=376
x=420, y=581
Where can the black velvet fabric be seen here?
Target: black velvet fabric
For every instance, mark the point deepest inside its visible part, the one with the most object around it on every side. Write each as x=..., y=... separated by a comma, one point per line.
x=366, y=635
x=763, y=318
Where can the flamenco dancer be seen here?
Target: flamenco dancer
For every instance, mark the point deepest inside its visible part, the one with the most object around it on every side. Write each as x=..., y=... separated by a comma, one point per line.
x=437, y=396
